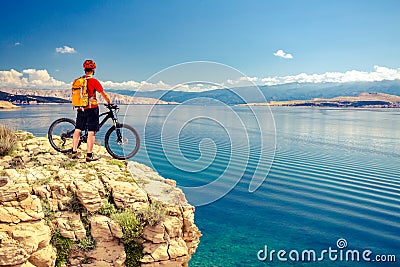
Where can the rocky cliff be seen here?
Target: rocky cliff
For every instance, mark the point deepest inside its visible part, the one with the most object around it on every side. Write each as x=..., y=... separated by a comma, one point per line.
x=60, y=212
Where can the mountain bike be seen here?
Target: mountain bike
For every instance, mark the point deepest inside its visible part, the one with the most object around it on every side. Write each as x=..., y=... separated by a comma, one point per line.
x=121, y=140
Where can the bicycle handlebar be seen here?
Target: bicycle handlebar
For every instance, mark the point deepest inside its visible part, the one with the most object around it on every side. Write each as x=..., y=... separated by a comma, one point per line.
x=111, y=106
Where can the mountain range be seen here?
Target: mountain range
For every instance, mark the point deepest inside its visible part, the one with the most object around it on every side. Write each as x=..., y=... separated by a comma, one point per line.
x=285, y=92
x=232, y=96
x=32, y=96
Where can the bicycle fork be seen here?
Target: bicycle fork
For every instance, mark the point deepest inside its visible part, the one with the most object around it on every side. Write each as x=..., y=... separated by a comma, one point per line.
x=118, y=131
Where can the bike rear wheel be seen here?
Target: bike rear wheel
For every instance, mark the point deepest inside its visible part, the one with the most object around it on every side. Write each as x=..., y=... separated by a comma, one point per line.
x=122, y=142
x=60, y=134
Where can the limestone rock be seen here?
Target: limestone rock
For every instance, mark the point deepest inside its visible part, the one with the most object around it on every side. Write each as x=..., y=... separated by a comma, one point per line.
x=14, y=192
x=70, y=225
x=107, y=253
x=88, y=195
x=38, y=186
x=127, y=195
x=20, y=241
x=173, y=225
x=104, y=228
x=11, y=253
x=177, y=231
x=154, y=234
x=156, y=251
x=177, y=248
x=45, y=257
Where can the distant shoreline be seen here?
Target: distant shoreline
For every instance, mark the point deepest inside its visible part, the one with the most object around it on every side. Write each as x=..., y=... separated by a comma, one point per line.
x=5, y=105
x=16, y=106
x=364, y=100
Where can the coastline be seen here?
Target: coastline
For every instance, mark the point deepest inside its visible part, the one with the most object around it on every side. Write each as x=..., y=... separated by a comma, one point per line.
x=5, y=105
x=70, y=212
x=364, y=100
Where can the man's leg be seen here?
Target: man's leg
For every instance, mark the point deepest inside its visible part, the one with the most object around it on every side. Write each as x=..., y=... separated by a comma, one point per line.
x=75, y=140
x=90, y=141
x=80, y=124
x=93, y=127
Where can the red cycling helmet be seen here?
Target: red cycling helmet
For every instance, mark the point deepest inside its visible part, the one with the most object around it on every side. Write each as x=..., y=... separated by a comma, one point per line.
x=89, y=64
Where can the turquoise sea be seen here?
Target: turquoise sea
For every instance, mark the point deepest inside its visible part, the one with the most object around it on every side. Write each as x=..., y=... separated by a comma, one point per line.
x=333, y=187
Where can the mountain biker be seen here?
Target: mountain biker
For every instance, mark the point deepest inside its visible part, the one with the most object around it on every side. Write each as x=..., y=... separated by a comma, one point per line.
x=88, y=117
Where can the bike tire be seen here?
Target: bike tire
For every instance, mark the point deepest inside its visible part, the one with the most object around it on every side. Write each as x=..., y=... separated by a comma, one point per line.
x=61, y=139
x=112, y=144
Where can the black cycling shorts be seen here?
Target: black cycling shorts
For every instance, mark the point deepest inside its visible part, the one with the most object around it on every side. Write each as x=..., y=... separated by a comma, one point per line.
x=88, y=119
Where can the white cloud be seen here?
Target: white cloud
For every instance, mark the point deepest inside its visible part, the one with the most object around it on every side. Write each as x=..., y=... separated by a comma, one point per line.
x=242, y=81
x=282, y=54
x=379, y=74
x=17, y=43
x=41, y=79
x=133, y=85
x=30, y=78
x=65, y=50
x=147, y=86
x=10, y=78
x=196, y=87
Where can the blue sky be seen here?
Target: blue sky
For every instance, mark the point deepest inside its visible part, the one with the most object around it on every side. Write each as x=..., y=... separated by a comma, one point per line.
x=132, y=40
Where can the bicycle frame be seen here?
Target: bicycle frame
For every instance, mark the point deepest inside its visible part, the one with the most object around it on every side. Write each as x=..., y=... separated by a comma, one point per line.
x=110, y=114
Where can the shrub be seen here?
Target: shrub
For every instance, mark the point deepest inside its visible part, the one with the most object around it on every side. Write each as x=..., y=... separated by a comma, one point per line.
x=87, y=244
x=130, y=224
x=63, y=246
x=153, y=214
x=134, y=253
x=132, y=228
x=8, y=140
x=107, y=209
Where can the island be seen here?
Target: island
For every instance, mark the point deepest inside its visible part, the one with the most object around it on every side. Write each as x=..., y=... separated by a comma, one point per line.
x=7, y=105
x=363, y=100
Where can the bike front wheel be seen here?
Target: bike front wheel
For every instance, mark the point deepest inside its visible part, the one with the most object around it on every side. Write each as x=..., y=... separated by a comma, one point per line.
x=60, y=134
x=122, y=142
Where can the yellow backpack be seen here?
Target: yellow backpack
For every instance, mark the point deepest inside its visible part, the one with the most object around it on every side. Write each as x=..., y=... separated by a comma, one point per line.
x=80, y=96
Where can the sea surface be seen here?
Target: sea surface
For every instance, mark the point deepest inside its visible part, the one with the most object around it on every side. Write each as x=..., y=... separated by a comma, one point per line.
x=330, y=178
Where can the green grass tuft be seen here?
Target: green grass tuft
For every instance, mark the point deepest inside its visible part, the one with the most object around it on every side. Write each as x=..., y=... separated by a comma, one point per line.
x=87, y=244
x=120, y=163
x=68, y=164
x=107, y=209
x=49, y=214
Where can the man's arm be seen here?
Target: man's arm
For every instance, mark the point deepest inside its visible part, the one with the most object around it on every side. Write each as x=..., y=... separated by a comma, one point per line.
x=106, y=97
x=100, y=89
